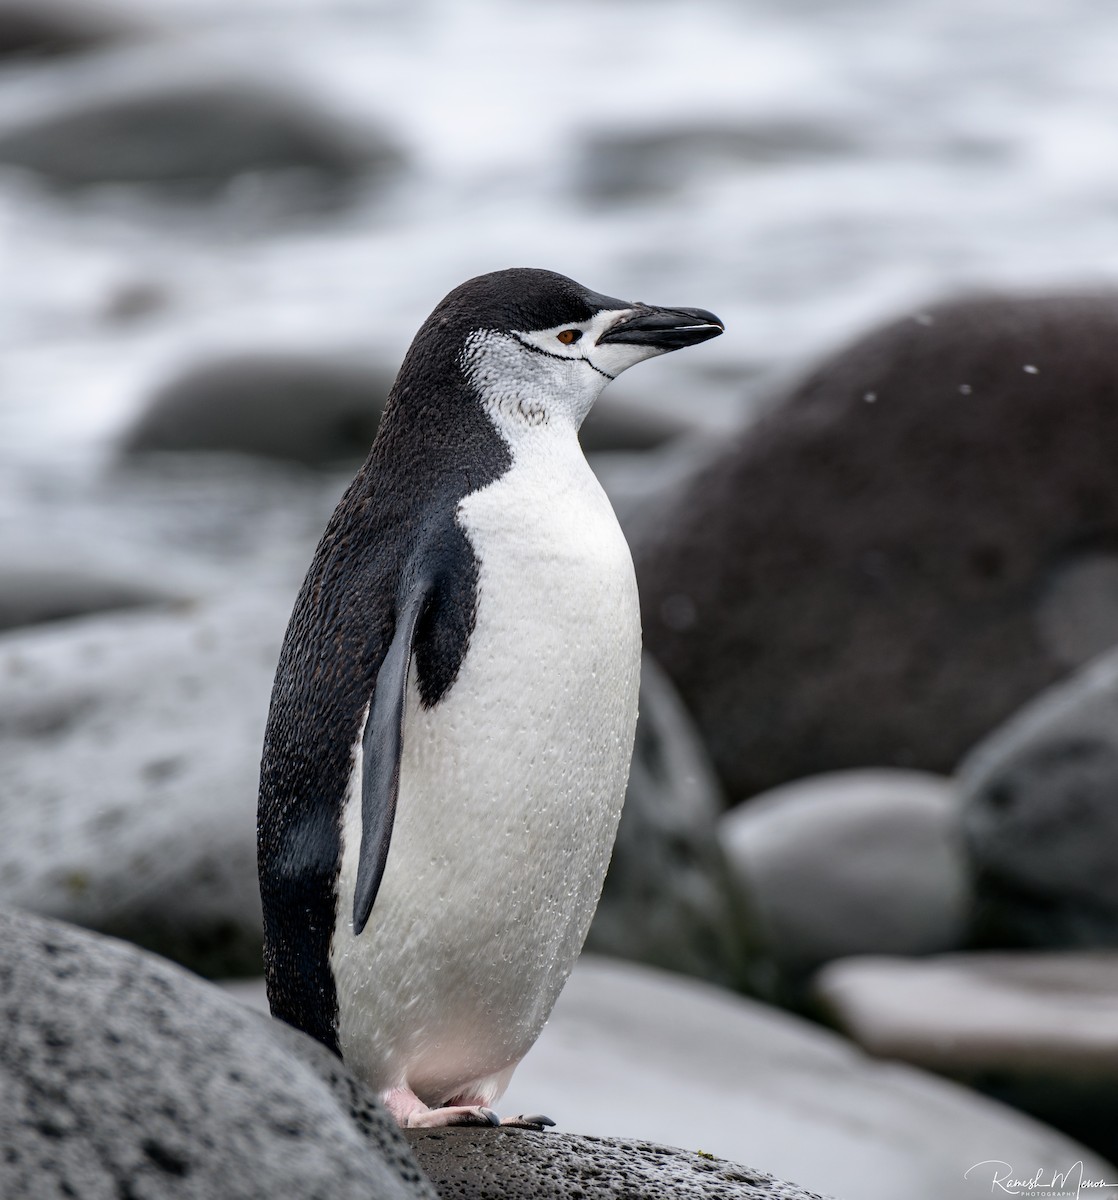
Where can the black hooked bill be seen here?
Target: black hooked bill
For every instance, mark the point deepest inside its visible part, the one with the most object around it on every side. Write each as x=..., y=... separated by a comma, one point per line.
x=664, y=328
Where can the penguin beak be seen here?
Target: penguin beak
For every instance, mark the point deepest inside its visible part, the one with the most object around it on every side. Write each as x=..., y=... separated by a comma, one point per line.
x=663, y=328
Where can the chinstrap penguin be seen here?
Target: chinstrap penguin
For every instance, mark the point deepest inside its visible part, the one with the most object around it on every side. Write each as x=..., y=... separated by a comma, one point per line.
x=454, y=707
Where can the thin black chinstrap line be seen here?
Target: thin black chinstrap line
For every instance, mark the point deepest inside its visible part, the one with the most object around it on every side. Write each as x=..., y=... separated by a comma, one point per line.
x=562, y=357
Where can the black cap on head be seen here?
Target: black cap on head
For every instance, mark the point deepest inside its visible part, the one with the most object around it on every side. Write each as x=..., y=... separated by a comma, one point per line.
x=520, y=298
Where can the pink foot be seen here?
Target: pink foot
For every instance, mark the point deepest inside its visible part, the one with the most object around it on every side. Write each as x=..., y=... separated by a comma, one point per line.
x=535, y=1121
x=435, y=1118
x=411, y=1113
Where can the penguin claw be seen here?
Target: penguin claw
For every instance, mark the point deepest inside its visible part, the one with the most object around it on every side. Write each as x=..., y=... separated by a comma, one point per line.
x=437, y=1118
x=535, y=1121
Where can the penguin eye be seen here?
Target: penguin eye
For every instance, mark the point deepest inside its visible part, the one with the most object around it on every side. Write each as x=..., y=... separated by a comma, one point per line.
x=568, y=336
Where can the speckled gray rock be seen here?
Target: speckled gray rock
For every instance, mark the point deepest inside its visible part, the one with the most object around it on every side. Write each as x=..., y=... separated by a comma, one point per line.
x=188, y=133
x=129, y=752
x=902, y=551
x=129, y=760
x=468, y=1164
x=852, y=862
x=1037, y=1030
x=122, y=1075
x=1041, y=818
x=301, y=408
x=669, y=898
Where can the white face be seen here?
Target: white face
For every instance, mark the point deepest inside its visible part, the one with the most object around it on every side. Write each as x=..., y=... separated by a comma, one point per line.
x=543, y=376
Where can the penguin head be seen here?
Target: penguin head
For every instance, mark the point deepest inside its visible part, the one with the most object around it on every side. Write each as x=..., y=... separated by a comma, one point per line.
x=537, y=348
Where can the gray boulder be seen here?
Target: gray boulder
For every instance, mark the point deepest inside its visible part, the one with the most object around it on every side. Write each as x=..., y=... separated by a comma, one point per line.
x=854, y=862
x=669, y=898
x=188, y=133
x=1036, y=1030
x=302, y=408
x=899, y=553
x=36, y=587
x=467, y=1163
x=319, y=410
x=129, y=761
x=122, y=1075
x=129, y=756
x=615, y=424
x=1040, y=816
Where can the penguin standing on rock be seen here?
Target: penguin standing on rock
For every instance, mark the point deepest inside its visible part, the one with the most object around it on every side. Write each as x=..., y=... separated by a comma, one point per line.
x=453, y=712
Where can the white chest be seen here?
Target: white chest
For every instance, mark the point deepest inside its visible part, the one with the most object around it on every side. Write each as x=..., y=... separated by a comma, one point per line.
x=510, y=791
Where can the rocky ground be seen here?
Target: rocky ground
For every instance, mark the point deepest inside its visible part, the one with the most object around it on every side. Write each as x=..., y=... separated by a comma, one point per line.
x=875, y=783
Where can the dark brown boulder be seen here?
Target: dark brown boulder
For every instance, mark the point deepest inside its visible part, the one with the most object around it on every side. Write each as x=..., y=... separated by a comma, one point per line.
x=912, y=542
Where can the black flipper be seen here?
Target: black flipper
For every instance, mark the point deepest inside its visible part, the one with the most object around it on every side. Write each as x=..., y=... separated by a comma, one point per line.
x=381, y=746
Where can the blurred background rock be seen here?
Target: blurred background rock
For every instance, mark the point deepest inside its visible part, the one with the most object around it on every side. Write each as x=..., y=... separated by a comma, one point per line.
x=875, y=525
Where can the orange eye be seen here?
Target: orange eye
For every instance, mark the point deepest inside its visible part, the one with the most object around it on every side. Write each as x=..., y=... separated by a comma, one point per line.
x=569, y=335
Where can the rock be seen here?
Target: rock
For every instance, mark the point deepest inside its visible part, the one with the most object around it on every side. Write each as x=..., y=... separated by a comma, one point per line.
x=192, y=134
x=1039, y=1031
x=626, y=164
x=319, y=410
x=121, y=1075
x=513, y=1164
x=855, y=862
x=129, y=760
x=38, y=28
x=615, y=424
x=636, y=482
x=314, y=411
x=893, y=559
x=633, y=1053
x=35, y=588
x=129, y=755
x=1040, y=816
x=669, y=899
x=506, y=1162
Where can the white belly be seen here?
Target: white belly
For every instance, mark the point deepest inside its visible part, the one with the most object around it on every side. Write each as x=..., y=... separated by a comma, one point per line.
x=510, y=793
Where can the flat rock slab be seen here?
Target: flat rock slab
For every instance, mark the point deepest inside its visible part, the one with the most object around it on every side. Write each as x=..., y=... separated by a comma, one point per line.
x=958, y=1013
x=1037, y=1030
x=468, y=1164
